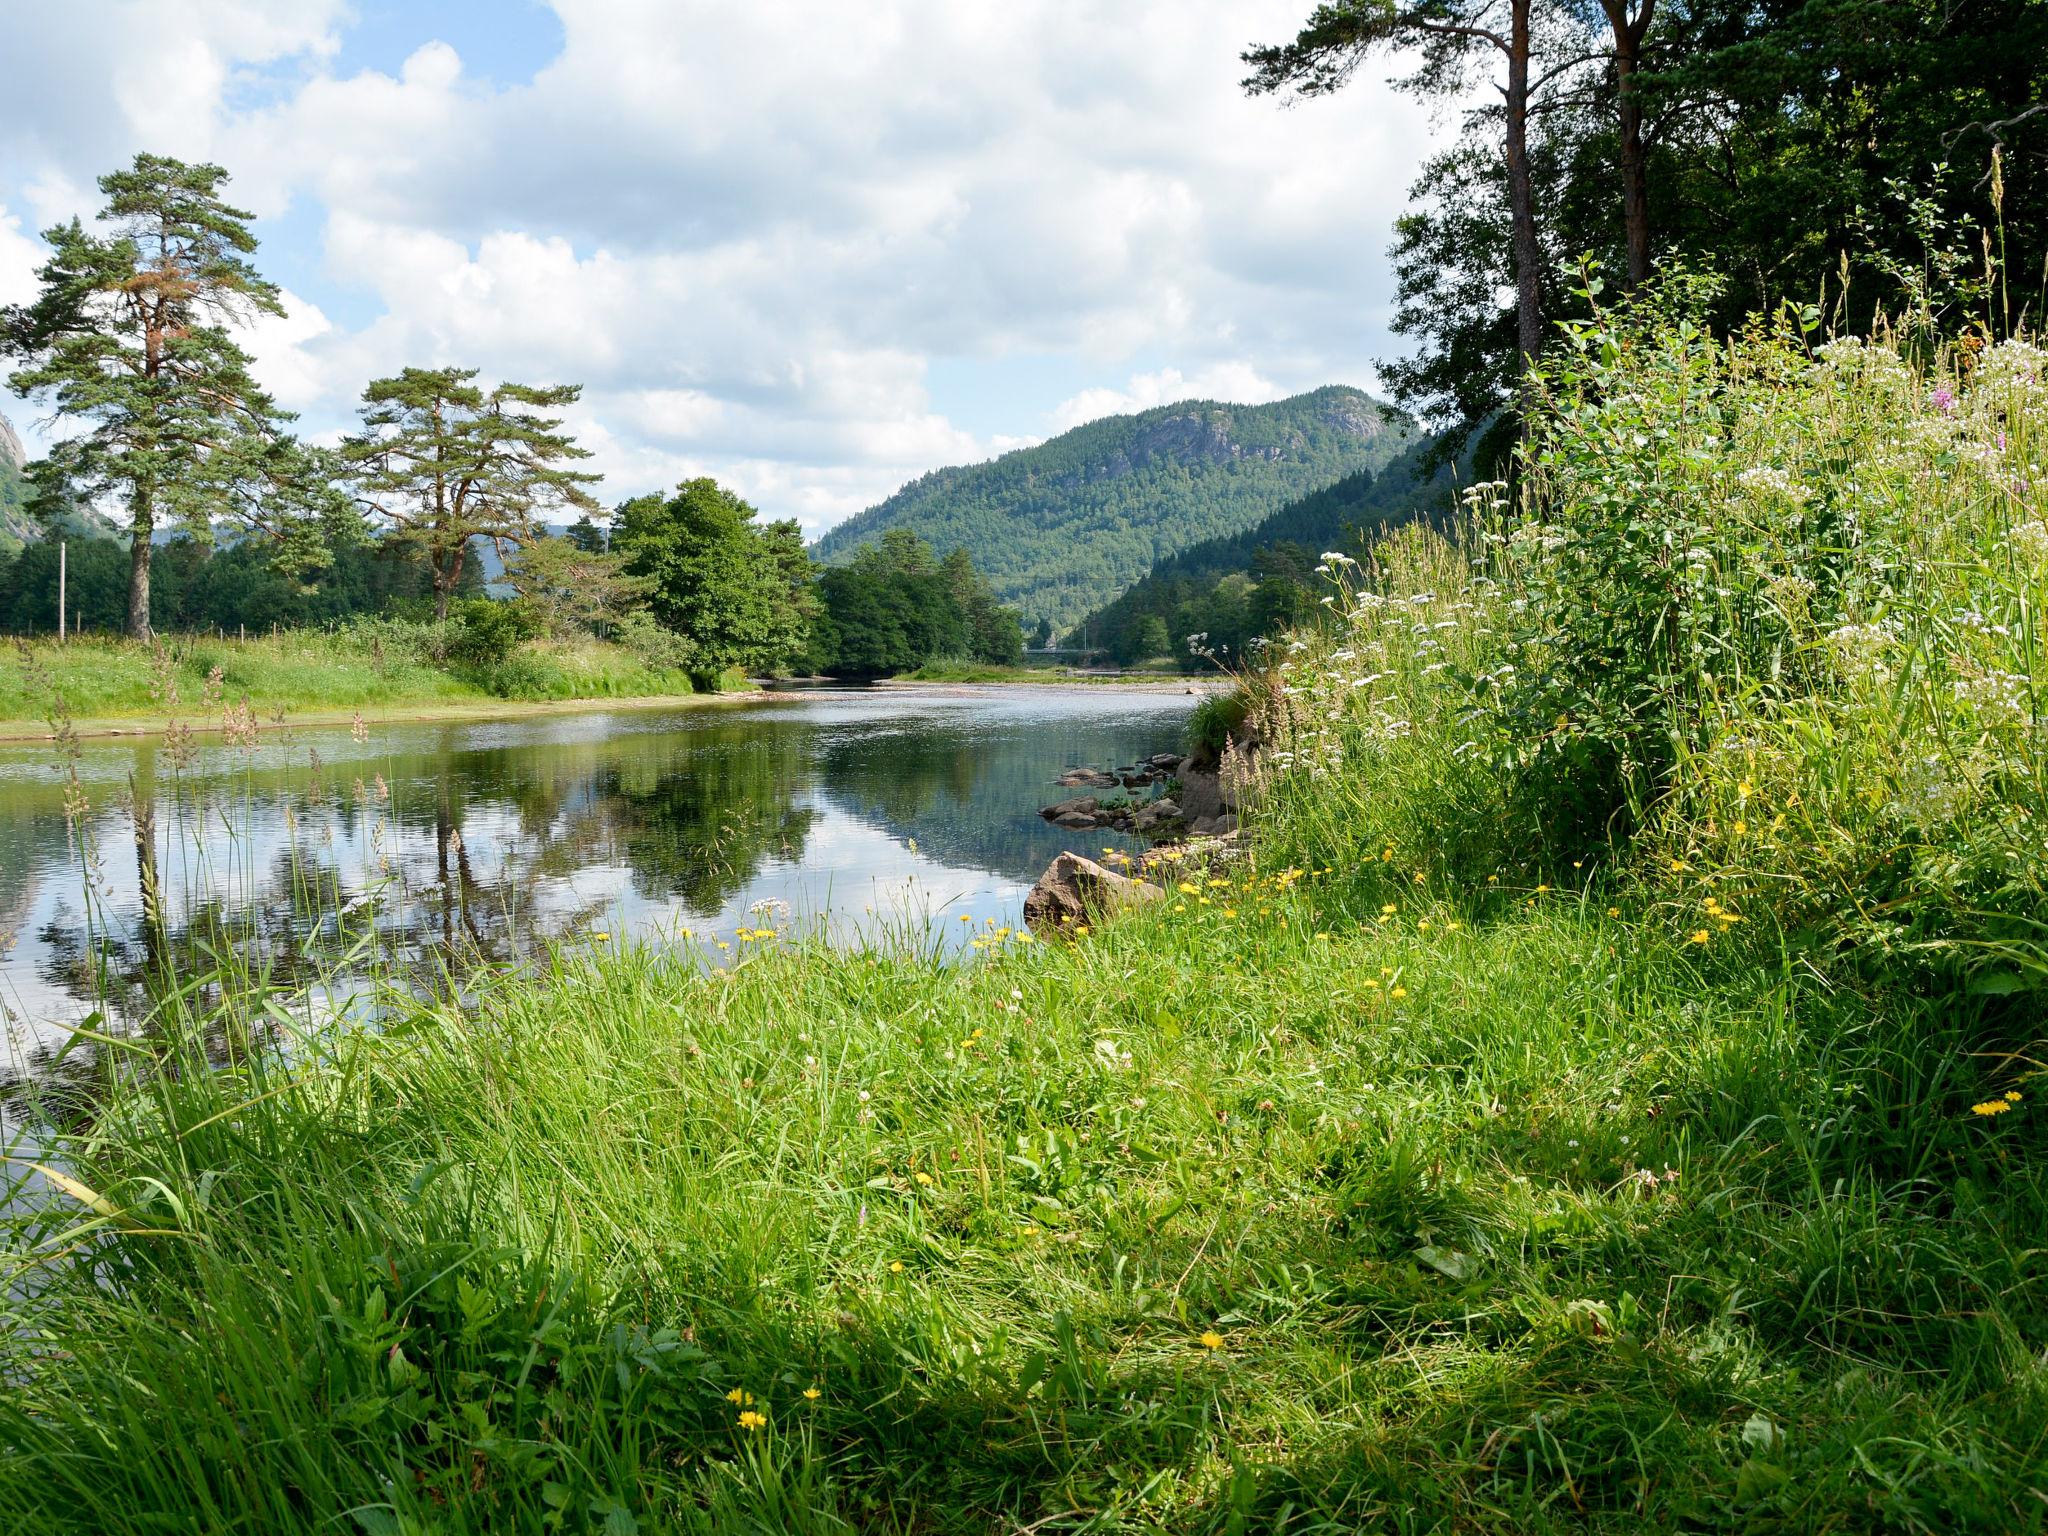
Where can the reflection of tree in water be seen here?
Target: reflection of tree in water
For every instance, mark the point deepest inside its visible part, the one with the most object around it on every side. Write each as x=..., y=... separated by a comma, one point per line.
x=696, y=816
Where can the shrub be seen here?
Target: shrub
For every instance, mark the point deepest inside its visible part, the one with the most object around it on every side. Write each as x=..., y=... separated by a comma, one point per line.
x=1763, y=623
x=485, y=633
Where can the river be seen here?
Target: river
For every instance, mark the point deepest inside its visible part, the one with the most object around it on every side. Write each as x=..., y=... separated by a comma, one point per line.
x=889, y=811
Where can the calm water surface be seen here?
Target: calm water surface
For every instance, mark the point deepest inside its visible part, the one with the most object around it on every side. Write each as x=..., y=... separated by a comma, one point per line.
x=856, y=811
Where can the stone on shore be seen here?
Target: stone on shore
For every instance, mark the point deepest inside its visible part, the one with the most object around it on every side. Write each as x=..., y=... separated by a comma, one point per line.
x=1080, y=805
x=1074, y=890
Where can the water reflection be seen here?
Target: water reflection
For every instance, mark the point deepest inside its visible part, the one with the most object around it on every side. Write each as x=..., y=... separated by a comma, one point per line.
x=491, y=838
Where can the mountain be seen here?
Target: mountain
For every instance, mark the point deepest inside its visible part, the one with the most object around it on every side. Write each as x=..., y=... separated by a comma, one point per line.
x=15, y=526
x=1063, y=527
x=1249, y=583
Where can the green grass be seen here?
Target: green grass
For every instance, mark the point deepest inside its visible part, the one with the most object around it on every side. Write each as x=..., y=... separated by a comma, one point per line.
x=109, y=681
x=498, y=1267
x=1545, y=1161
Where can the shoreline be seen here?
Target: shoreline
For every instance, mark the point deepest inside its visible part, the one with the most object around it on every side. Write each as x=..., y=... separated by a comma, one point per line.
x=428, y=712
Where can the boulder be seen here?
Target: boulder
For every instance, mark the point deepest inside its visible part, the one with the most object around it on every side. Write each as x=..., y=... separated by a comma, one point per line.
x=1166, y=760
x=1150, y=816
x=1080, y=805
x=1086, y=778
x=1202, y=826
x=1201, y=795
x=1074, y=821
x=1075, y=890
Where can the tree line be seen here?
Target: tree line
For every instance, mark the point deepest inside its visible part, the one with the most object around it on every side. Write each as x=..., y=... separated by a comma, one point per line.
x=131, y=340
x=1861, y=156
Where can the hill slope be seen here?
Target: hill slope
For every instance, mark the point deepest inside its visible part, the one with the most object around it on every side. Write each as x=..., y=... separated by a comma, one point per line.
x=1208, y=587
x=1063, y=527
x=14, y=522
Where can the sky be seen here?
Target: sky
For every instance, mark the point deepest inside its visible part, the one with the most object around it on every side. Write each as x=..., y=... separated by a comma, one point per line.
x=811, y=249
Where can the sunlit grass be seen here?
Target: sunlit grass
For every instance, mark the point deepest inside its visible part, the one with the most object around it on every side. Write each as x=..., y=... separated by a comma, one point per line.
x=1279, y=1211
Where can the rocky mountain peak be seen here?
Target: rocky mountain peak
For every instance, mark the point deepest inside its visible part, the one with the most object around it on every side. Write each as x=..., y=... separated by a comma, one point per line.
x=12, y=454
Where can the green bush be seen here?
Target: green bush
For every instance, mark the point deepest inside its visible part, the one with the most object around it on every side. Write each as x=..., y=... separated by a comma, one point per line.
x=1763, y=623
x=486, y=633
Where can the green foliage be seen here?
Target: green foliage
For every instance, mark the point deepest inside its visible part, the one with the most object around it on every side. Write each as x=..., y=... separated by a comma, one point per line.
x=483, y=633
x=1061, y=528
x=1215, y=722
x=894, y=608
x=1763, y=626
x=1508, y=1251
x=221, y=586
x=1216, y=599
x=573, y=585
x=130, y=338
x=1789, y=148
x=448, y=463
x=737, y=594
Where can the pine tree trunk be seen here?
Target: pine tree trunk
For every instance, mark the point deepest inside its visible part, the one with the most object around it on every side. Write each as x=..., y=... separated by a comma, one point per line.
x=1521, y=196
x=139, y=551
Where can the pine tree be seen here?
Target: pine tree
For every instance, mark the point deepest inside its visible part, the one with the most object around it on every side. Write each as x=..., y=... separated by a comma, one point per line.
x=131, y=337
x=447, y=462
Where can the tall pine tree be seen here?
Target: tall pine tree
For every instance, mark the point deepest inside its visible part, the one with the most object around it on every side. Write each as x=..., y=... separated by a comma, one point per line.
x=131, y=339
x=447, y=462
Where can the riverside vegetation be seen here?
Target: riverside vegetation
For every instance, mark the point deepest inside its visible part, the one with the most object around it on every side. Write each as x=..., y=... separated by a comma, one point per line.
x=1603, y=1097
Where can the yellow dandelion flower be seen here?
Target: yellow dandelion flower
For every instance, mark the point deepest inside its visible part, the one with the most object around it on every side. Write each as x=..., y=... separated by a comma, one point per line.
x=1397, y=991
x=924, y=1178
x=1541, y=889
x=1745, y=789
x=1390, y=909
x=738, y=1398
x=1991, y=1107
x=1741, y=827
x=812, y=1394
x=752, y=1420
x=1679, y=866
x=1614, y=911
x=1700, y=937
x=1211, y=1340
x=600, y=937
x=2012, y=1095
x=895, y=1266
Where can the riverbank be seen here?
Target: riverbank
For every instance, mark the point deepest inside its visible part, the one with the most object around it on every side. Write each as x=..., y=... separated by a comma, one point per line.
x=1480, y=1149
x=976, y=672
x=1263, y=1205
x=110, y=687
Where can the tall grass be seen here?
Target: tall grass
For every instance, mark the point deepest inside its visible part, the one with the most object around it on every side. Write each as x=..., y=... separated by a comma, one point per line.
x=1495, y=1216
x=370, y=665
x=1530, y=1134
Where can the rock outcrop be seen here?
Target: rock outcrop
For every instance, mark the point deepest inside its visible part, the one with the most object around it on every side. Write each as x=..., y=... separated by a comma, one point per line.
x=1074, y=891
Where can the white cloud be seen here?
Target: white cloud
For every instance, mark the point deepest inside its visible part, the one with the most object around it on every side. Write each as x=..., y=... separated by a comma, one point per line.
x=1235, y=381
x=20, y=255
x=748, y=231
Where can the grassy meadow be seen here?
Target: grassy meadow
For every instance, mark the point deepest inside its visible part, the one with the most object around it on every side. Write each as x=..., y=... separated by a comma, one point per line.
x=372, y=667
x=1604, y=1096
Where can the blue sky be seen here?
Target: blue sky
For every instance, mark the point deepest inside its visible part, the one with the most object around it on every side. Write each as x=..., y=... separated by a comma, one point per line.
x=813, y=249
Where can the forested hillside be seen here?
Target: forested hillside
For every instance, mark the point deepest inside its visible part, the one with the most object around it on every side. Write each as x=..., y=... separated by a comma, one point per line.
x=1227, y=590
x=1063, y=527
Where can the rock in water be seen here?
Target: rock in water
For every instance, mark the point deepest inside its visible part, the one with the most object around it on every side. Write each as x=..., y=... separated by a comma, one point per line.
x=1075, y=890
